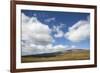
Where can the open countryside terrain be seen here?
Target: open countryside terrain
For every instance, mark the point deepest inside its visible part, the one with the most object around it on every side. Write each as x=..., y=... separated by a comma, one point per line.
x=75, y=54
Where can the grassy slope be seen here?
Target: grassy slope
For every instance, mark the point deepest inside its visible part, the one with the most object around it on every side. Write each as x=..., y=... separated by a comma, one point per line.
x=76, y=55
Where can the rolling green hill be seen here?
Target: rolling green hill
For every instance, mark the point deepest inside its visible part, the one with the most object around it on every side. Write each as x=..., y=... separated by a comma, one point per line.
x=75, y=54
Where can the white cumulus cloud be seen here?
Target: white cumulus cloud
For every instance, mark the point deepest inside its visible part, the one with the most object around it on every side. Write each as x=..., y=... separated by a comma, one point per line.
x=73, y=47
x=33, y=31
x=36, y=38
x=50, y=19
x=40, y=49
x=59, y=32
x=79, y=31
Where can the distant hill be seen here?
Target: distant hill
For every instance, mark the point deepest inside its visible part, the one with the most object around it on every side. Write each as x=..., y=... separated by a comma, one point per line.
x=56, y=53
x=76, y=50
x=46, y=54
x=66, y=55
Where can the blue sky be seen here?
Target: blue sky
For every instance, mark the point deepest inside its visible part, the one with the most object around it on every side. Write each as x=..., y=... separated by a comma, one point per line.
x=63, y=21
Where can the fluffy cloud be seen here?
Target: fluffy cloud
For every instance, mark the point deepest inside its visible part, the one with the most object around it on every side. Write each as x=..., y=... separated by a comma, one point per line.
x=25, y=19
x=50, y=19
x=73, y=47
x=32, y=49
x=59, y=32
x=33, y=31
x=36, y=37
x=78, y=32
x=51, y=48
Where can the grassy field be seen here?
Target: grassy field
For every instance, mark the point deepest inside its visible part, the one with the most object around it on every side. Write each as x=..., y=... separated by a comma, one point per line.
x=74, y=55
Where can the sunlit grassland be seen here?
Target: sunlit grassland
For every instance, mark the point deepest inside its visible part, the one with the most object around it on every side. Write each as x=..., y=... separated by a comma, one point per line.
x=66, y=56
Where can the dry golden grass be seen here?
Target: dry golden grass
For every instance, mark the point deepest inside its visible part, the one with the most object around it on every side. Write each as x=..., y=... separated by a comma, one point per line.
x=76, y=55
